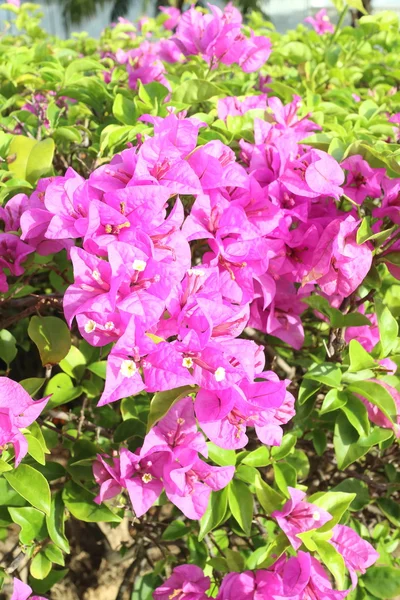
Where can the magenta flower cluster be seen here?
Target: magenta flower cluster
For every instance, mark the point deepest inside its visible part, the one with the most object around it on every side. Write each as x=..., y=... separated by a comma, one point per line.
x=299, y=577
x=183, y=248
x=217, y=37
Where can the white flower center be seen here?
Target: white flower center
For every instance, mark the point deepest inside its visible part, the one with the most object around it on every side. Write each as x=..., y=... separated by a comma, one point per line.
x=128, y=368
x=96, y=275
x=90, y=326
x=146, y=478
x=220, y=374
x=187, y=362
x=197, y=272
x=316, y=516
x=109, y=326
x=138, y=265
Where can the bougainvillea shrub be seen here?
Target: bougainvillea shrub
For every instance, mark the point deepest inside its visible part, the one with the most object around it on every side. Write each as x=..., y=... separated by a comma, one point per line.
x=199, y=302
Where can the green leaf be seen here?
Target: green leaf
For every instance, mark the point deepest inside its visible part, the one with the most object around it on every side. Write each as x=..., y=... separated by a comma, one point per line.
x=62, y=390
x=99, y=368
x=388, y=328
x=67, y=134
x=319, y=441
x=5, y=466
x=307, y=389
x=54, y=554
x=18, y=155
x=36, y=431
x=30, y=520
x=43, y=586
x=79, y=66
x=130, y=428
x=333, y=400
x=40, y=160
x=162, y=402
x=221, y=457
x=247, y=474
x=74, y=363
x=335, y=503
x=241, y=504
x=390, y=509
x=357, y=415
x=124, y=110
x=383, y=582
x=235, y=560
x=52, y=338
x=345, y=440
x=35, y=449
x=175, y=531
x=258, y=458
x=31, y=485
x=359, y=358
x=377, y=436
x=357, y=5
x=333, y=560
x=32, y=385
x=275, y=550
x=285, y=475
x=269, y=499
x=325, y=373
x=357, y=487
x=194, y=91
x=393, y=258
x=55, y=522
x=40, y=566
x=8, y=496
x=296, y=52
x=364, y=232
x=215, y=513
x=376, y=394
x=8, y=348
x=288, y=442
x=80, y=502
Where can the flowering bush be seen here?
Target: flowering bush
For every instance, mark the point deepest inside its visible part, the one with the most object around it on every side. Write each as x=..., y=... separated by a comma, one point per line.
x=199, y=278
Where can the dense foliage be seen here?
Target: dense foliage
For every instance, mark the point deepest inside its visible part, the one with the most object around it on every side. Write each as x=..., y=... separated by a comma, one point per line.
x=199, y=303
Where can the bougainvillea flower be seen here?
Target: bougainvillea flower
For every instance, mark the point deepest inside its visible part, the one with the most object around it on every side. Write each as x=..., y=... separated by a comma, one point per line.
x=377, y=416
x=22, y=591
x=361, y=180
x=67, y=198
x=142, y=478
x=367, y=335
x=390, y=206
x=123, y=376
x=17, y=411
x=305, y=578
x=107, y=474
x=11, y=213
x=189, y=481
x=315, y=174
x=177, y=429
x=298, y=516
x=187, y=582
x=13, y=252
x=224, y=415
x=251, y=585
x=93, y=284
x=339, y=263
x=358, y=554
x=233, y=106
x=173, y=14
x=320, y=22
